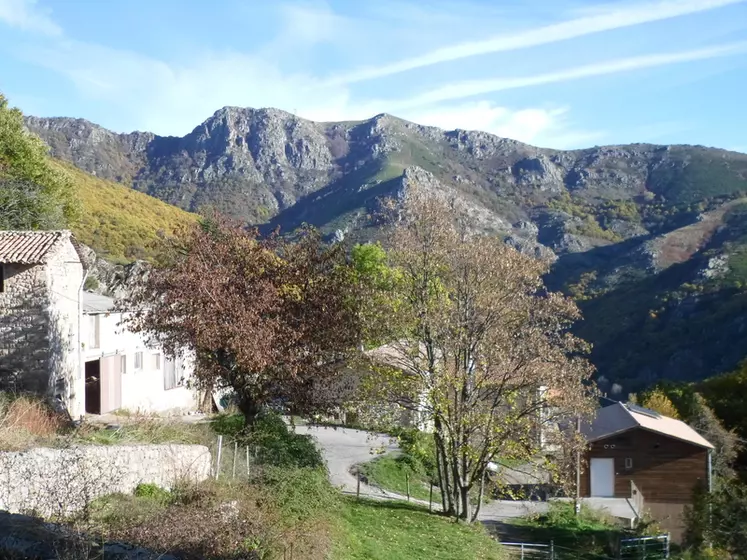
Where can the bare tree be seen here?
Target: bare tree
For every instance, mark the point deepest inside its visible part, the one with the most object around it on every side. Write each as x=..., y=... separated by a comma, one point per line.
x=483, y=351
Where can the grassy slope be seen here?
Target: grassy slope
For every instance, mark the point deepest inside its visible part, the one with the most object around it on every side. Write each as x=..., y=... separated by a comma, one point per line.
x=374, y=530
x=121, y=224
x=389, y=473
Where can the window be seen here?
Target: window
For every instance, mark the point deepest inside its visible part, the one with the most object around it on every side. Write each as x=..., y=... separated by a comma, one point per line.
x=156, y=361
x=628, y=463
x=94, y=326
x=123, y=363
x=2, y=278
x=171, y=374
x=138, y=361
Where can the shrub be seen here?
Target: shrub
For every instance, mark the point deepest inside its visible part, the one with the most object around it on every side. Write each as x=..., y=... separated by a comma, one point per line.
x=276, y=445
x=153, y=492
x=27, y=420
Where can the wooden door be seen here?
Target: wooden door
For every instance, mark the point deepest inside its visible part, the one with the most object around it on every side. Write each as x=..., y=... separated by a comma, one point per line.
x=602, y=478
x=111, y=384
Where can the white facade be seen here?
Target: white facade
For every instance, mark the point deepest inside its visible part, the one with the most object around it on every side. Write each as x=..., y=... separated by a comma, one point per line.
x=131, y=376
x=59, y=341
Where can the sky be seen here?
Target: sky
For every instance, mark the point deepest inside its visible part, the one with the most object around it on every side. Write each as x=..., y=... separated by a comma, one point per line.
x=553, y=73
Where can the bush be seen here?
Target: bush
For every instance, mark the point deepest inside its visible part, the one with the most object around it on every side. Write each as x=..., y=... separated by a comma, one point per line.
x=419, y=451
x=26, y=421
x=276, y=445
x=153, y=492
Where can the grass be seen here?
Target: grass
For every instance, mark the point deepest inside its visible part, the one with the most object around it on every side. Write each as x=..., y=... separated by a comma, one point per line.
x=26, y=421
x=146, y=430
x=391, y=472
x=373, y=530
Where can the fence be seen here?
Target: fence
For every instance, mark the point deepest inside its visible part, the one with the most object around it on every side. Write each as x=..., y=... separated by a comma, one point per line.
x=644, y=548
x=232, y=459
x=530, y=551
x=639, y=548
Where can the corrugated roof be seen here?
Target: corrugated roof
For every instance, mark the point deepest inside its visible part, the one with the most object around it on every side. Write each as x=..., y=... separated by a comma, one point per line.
x=30, y=247
x=619, y=418
x=96, y=303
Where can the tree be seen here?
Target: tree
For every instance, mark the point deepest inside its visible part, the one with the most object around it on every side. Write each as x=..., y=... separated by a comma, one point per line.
x=659, y=402
x=480, y=349
x=34, y=194
x=273, y=319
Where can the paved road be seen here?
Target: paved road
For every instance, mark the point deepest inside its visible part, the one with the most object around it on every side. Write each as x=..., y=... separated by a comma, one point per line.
x=343, y=448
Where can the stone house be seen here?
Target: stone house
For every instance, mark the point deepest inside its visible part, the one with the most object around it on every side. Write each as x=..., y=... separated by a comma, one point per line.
x=46, y=322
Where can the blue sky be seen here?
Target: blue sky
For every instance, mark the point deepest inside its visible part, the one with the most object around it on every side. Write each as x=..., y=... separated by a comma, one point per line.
x=555, y=73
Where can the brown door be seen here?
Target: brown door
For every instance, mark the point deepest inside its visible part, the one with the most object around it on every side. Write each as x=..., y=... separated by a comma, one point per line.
x=111, y=384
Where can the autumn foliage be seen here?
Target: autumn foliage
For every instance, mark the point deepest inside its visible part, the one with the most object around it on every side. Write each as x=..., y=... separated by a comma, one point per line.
x=273, y=319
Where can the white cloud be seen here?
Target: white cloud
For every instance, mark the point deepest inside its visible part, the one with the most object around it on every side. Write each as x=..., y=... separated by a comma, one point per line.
x=539, y=126
x=470, y=88
x=603, y=19
x=27, y=16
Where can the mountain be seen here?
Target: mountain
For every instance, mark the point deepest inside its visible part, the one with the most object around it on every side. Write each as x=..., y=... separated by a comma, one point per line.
x=119, y=224
x=651, y=240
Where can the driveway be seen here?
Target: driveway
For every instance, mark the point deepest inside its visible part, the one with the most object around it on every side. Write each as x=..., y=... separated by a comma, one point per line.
x=343, y=448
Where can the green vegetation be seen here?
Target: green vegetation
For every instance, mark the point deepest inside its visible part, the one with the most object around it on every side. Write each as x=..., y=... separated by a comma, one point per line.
x=276, y=445
x=391, y=472
x=589, y=534
x=374, y=530
x=34, y=194
x=119, y=223
x=594, y=220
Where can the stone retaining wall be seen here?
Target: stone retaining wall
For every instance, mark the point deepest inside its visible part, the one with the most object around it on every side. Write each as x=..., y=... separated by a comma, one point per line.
x=54, y=482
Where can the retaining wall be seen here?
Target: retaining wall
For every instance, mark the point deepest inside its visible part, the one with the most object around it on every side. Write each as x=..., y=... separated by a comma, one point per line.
x=53, y=482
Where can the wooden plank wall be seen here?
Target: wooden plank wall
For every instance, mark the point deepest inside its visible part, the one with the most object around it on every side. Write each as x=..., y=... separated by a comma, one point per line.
x=665, y=470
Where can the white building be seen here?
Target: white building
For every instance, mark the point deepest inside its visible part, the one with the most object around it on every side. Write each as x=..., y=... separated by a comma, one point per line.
x=122, y=372
x=57, y=340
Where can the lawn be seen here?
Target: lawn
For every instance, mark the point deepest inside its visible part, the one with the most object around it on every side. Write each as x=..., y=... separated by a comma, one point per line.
x=391, y=472
x=374, y=530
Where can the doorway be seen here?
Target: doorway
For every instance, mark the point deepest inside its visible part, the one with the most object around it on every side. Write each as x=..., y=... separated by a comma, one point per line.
x=602, y=474
x=93, y=387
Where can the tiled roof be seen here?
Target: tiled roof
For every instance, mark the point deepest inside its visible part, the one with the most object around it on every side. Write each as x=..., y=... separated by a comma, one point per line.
x=30, y=247
x=96, y=303
x=620, y=417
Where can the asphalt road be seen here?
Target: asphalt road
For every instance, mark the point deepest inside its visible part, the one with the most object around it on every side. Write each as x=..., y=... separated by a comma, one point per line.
x=344, y=448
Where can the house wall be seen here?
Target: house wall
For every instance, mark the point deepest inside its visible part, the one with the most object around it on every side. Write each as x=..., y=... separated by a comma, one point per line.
x=142, y=390
x=64, y=276
x=665, y=470
x=24, y=344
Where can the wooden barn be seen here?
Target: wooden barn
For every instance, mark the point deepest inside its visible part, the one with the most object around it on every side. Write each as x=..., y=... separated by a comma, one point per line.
x=652, y=461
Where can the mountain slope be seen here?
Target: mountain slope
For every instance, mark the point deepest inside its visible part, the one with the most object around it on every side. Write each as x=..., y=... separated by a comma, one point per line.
x=650, y=239
x=120, y=224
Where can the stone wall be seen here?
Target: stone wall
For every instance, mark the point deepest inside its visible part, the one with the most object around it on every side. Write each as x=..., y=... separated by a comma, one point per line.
x=53, y=482
x=24, y=333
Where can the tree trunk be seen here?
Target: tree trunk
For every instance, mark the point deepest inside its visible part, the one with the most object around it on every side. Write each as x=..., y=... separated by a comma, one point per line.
x=480, y=495
x=465, y=506
x=250, y=409
x=442, y=463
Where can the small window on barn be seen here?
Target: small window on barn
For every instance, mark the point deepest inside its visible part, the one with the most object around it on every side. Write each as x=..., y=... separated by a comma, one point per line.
x=628, y=463
x=138, y=361
x=123, y=363
x=157, y=361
